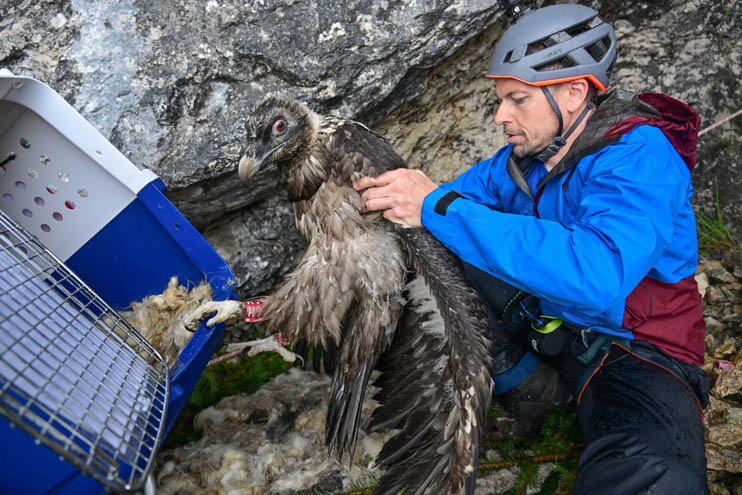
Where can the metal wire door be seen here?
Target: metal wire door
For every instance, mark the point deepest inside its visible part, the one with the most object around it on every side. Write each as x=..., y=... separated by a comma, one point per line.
x=73, y=374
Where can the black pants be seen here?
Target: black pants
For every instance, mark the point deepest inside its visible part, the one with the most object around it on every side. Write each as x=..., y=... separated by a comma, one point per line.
x=640, y=410
x=640, y=414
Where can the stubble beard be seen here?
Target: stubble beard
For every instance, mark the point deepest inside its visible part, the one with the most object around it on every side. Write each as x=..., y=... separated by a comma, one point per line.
x=528, y=148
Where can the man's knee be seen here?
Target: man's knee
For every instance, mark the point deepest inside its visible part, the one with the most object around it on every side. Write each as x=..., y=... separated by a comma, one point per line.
x=627, y=463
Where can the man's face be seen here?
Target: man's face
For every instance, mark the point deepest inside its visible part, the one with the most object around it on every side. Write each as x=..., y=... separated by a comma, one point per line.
x=526, y=116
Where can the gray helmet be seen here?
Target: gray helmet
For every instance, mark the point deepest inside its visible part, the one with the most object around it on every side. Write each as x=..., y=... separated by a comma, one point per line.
x=556, y=44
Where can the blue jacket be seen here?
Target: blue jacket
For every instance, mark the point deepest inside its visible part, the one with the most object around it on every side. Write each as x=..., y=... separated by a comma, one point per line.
x=619, y=216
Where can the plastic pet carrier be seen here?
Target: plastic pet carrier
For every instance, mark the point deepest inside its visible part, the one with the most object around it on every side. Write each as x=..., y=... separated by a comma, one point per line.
x=85, y=401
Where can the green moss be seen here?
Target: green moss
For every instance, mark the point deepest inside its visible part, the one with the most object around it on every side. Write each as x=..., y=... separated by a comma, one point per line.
x=219, y=381
x=561, y=444
x=494, y=412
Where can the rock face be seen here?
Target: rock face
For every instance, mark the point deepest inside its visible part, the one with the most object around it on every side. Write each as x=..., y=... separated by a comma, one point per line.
x=169, y=84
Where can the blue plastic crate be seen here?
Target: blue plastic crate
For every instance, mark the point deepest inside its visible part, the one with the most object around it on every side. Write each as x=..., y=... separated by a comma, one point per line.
x=109, y=222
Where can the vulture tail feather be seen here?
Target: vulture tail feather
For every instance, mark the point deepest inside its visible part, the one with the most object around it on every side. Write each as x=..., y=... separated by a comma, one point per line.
x=344, y=412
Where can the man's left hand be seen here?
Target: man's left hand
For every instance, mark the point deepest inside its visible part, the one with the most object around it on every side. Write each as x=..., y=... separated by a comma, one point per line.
x=399, y=192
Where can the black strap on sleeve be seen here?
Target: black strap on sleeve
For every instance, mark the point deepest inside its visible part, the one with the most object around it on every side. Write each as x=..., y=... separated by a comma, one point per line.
x=442, y=205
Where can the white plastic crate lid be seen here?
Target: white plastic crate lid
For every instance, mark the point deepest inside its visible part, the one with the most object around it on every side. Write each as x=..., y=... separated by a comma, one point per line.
x=60, y=178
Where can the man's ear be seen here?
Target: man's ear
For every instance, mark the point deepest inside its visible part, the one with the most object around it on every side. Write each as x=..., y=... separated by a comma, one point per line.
x=577, y=93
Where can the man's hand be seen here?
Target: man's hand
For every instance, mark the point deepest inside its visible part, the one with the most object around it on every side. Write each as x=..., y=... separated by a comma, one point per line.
x=399, y=192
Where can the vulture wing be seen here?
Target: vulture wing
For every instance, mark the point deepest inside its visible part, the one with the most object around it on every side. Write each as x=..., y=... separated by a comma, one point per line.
x=436, y=381
x=436, y=384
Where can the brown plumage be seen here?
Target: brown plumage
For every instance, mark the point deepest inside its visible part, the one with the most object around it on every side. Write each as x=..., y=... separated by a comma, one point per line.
x=385, y=297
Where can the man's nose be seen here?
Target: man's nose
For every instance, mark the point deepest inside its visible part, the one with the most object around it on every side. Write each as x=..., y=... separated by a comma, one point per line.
x=502, y=116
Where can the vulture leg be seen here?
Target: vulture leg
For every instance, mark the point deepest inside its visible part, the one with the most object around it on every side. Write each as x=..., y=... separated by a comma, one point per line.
x=272, y=343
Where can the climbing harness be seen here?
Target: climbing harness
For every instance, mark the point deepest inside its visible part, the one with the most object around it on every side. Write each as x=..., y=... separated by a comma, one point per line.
x=543, y=334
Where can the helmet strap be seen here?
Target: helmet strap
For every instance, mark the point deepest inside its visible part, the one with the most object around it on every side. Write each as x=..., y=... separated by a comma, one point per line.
x=559, y=140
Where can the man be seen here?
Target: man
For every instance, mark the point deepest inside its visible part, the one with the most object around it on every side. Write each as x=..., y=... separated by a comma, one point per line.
x=583, y=245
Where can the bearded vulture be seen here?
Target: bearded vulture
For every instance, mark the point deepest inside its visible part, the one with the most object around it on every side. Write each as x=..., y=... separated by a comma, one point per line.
x=384, y=296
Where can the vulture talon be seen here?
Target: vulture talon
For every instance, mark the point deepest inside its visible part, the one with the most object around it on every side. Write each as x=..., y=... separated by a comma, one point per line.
x=268, y=344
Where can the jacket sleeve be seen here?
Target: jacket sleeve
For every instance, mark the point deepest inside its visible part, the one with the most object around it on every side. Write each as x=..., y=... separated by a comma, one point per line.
x=479, y=184
x=630, y=194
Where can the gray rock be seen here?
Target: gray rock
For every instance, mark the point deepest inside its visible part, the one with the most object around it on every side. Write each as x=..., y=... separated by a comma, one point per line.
x=259, y=243
x=722, y=457
x=719, y=274
x=169, y=82
x=722, y=422
x=733, y=322
x=732, y=259
x=713, y=326
x=715, y=295
x=729, y=386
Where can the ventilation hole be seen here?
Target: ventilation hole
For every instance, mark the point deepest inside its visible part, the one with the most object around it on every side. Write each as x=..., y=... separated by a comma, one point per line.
x=537, y=47
x=559, y=37
x=17, y=85
x=579, y=29
x=177, y=226
x=562, y=63
x=8, y=198
x=44, y=159
x=57, y=216
x=507, y=57
x=20, y=185
x=64, y=176
x=595, y=22
x=83, y=193
x=51, y=189
x=567, y=61
x=599, y=49
x=46, y=228
x=98, y=152
x=27, y=213
x=70, y=205
x=39, y=201
x=24, y=142
x=33, y=173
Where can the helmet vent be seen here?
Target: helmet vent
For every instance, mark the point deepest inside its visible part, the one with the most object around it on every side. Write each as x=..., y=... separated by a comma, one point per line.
x=563, y=63
x=599, y=49
x=578, y=29
x=507, y=57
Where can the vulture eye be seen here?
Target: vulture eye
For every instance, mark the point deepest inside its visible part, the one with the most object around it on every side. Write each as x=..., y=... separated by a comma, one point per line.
x=279, y=127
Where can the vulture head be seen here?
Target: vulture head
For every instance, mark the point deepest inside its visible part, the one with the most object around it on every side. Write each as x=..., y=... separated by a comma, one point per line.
x=281, y=133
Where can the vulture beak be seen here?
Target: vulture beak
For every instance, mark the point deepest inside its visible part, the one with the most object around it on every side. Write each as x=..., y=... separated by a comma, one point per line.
x=249, y=166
